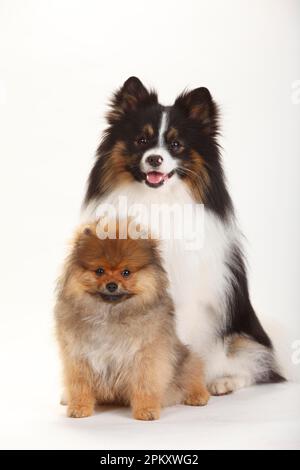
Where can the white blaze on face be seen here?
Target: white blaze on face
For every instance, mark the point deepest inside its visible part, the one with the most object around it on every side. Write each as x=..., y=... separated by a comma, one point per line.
x=159, y=174
x=162, y=129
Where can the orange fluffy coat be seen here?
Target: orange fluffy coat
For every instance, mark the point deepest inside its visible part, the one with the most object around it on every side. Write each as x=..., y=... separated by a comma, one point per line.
x=121, y=348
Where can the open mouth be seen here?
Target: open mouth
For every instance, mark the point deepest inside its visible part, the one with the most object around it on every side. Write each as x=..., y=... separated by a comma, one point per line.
x=154, y=179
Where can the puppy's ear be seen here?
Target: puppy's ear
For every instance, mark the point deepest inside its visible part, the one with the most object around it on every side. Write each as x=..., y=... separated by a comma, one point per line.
x=199, y=106
x=85, y=242
x=85, y=232
x=129, y=98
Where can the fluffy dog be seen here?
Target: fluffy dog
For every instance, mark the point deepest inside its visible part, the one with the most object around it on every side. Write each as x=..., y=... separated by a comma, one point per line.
x=116, y=330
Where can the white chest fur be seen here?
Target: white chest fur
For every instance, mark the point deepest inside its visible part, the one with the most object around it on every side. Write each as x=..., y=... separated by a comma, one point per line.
x=109, y=345
x=198, y=273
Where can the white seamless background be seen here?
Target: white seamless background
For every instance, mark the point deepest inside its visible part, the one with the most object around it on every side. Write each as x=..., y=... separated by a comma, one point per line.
x=59, y=63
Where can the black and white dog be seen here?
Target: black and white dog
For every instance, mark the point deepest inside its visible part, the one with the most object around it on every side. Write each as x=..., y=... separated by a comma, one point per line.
x=153, y=154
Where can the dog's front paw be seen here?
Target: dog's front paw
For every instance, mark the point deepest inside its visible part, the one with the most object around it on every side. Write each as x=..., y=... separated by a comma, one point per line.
x=79, y=411
x=197, y=398
x=146, y=414
x=227, y=385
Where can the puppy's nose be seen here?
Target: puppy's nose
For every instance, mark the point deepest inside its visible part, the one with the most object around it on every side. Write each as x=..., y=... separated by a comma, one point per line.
x=111, y=286
x=154, y=160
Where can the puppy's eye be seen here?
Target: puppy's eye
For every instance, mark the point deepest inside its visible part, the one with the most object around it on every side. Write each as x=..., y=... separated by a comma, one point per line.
x=125, y=273
x=175, y=145
x=142, y=141
x=99, y=271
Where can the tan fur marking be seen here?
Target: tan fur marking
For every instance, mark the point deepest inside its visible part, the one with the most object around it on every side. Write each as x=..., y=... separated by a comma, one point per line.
x=148, y=130
x=114, y=169
x=172, y=134
x=238, y=343
x=197, y=176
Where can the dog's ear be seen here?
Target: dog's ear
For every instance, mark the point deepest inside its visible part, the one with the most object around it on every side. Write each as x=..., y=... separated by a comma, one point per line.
x=199, y=106
x=130, y=97
x=86, y=231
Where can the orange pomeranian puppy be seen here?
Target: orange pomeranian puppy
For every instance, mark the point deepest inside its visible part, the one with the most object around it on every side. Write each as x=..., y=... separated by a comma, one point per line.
x=116, y=330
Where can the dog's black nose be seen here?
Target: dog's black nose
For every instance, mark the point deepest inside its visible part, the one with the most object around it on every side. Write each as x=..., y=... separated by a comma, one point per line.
x=154, y=160
x=111, y=286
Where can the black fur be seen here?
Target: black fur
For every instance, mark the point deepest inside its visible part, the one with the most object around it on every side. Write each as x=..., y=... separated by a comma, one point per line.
x=272, y=377
x=242, y=318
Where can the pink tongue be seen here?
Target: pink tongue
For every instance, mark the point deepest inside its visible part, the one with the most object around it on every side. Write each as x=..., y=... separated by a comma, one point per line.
x=154, y=177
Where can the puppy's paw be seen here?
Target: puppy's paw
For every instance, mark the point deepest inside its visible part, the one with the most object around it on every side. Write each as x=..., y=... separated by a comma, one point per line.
x=199, y=398
x=80, y=411
x=227, y=385
x=146, y=414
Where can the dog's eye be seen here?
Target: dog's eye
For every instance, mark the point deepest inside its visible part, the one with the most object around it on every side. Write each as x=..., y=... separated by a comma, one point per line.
x=175, y=145
x=142, y=141
x=99, y=271
x=125, y=273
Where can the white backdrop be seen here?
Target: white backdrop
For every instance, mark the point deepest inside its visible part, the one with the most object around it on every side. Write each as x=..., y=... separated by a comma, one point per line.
x=59, y=62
